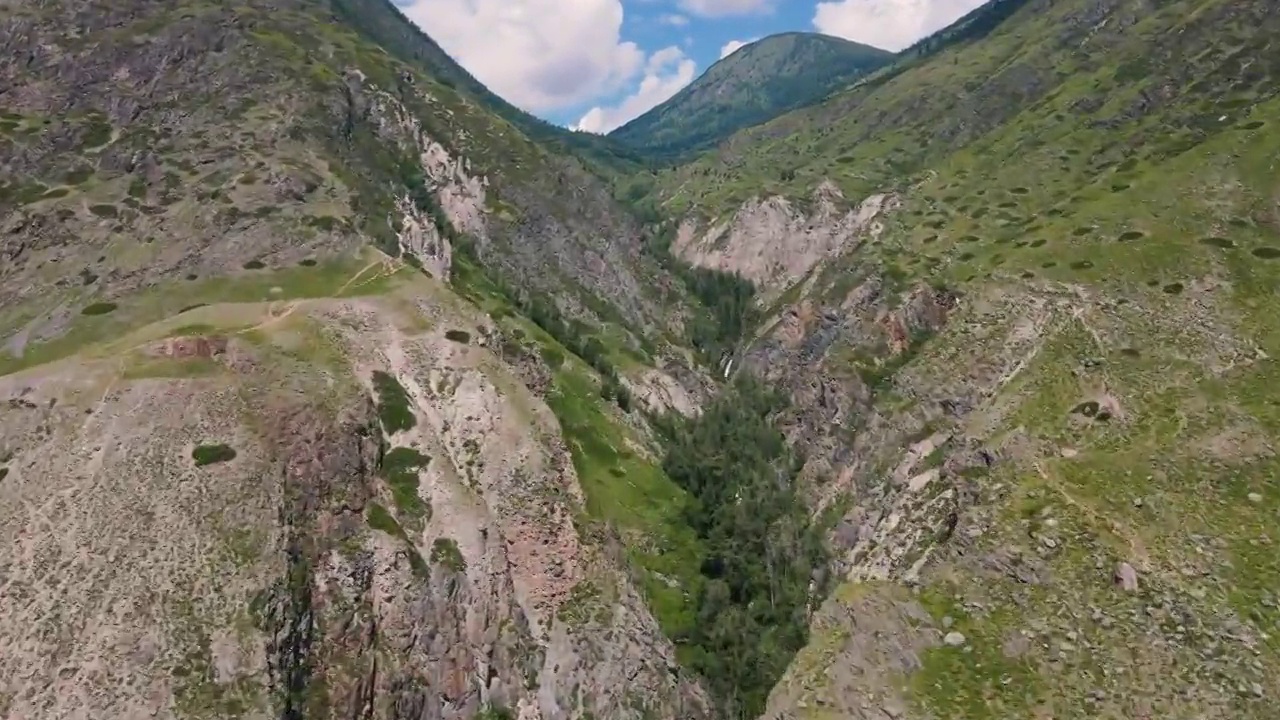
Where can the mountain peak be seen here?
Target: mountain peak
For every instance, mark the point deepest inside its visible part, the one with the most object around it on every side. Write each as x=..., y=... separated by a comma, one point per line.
x=751, y=85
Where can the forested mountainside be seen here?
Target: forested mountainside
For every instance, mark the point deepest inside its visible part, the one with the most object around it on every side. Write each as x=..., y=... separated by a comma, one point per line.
x=336, y=387
x=754, y=84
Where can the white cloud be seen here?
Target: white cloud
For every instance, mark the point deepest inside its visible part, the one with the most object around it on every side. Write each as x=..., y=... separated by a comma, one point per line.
x=674, y=20
x=538, y=54
x=721, y=8
x=668, y=70
x=888, y=24
x=733, y=46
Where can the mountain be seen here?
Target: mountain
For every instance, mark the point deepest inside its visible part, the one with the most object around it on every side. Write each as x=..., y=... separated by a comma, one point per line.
x=1018, y=286
x=755, y=83
x=333, y=386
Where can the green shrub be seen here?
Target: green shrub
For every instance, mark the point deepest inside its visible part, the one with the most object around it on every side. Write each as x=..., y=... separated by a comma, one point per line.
x=77, y=176
x=552, y=357
x=458, y=336
x=4, y=472
x=400, y=469
x=99, y=308
x=254, y=265
x=1267, y=253
x=445, y=552
x=496, y=712
x=104, y=210
x=210, y=454
x=393, y=404
x=381, y=520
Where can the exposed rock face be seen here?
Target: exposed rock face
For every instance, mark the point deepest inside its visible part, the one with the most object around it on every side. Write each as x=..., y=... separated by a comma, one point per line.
x=775, y=244
x=662, y=392
x=256, y=587
x=421, y=238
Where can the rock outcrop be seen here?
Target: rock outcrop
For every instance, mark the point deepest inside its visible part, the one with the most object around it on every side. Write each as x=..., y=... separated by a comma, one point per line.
x=775, y=244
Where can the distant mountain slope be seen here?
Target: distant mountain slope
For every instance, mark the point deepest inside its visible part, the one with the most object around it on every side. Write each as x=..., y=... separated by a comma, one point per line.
x=753, y=85
x=385, y=25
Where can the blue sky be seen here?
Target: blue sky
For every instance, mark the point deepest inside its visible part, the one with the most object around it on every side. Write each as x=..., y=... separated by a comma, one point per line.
x=595, y=64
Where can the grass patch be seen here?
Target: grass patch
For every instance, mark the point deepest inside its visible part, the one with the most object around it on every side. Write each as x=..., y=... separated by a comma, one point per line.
x=393, y=404
x=400, y=469
x=156, y=303
x=211, y=454
x=645, y=505
x=444, y=551
x=176, y=368
x=381, y=520
x=975, y=680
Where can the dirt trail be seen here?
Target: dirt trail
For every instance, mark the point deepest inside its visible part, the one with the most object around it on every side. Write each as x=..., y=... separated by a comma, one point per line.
x=387, y=265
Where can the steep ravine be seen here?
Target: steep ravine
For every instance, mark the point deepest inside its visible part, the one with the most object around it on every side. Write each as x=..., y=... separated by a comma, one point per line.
x=950, y=430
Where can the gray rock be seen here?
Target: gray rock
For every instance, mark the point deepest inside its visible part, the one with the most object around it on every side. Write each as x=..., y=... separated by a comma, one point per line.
x=953, y=639
x=1255, y=498
x=1126, y=577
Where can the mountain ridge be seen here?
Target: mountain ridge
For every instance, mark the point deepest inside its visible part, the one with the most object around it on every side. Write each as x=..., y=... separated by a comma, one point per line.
x=753, y=84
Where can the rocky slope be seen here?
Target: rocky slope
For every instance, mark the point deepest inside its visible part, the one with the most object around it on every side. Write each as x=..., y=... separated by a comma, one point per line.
x=1033, y=393
x=251, y=466
x=755, y=84
x=334, y=509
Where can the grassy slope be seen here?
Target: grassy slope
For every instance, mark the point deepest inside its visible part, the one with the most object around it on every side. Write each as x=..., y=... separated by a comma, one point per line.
x=1053, y=76
x=1127, y=166
x=753, y=85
